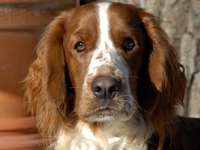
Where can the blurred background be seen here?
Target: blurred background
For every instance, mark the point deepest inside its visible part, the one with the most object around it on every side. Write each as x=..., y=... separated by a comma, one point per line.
x=21, y=25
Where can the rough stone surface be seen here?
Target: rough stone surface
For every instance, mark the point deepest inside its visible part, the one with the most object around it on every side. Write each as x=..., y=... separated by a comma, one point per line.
x=194, y=106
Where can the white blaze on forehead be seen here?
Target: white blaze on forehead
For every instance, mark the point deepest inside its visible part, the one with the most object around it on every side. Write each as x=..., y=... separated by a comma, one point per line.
x=104, y=27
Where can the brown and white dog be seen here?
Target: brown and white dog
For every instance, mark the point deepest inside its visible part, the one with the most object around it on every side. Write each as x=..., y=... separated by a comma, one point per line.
x=106, y=77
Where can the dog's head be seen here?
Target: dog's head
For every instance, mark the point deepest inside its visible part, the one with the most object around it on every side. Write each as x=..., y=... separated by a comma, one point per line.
x=103, y=62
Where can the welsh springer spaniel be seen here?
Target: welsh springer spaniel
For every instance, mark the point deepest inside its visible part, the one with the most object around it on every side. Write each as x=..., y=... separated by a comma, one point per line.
x=106, y=77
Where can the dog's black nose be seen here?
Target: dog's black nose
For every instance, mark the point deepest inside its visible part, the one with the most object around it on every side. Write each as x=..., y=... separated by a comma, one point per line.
x=105, y=87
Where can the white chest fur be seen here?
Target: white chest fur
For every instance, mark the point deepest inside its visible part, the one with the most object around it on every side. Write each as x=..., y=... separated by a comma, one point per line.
x=112, y=139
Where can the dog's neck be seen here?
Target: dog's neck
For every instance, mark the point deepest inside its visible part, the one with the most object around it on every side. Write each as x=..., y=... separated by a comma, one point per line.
x=107, y=136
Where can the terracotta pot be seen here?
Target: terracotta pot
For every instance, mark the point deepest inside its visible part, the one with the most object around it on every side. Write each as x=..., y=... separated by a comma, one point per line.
x=21, y=23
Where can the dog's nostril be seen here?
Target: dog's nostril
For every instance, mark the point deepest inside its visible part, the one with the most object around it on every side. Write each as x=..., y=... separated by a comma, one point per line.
x=98, y=91
x=111, y=89
x=105, y=87
x=116, y=86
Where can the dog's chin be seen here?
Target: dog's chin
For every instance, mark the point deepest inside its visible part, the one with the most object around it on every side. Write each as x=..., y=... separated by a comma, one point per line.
x=106, y=115
x=100, y=118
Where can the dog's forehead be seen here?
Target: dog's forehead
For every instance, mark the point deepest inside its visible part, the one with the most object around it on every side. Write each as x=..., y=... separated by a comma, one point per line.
x=123, y=12
x=117, y=13
x=82, y=18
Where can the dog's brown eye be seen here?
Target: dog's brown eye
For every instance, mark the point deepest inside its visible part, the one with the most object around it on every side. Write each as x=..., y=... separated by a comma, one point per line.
x=80, y=47
x=128, y=44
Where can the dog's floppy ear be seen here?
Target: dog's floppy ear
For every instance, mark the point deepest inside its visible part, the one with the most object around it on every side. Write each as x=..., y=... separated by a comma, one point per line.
x=46, y=82
x=165, y=82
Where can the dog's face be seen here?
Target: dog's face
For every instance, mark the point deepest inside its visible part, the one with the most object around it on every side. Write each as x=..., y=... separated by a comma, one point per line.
x=104, y=62
x=104, y=48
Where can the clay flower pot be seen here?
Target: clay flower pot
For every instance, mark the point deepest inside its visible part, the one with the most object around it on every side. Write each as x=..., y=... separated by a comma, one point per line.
x=21, y=23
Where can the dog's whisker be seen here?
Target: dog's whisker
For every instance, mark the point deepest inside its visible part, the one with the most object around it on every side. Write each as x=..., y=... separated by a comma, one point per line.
x=136, y=24
x=74, y=87
x=137, y=78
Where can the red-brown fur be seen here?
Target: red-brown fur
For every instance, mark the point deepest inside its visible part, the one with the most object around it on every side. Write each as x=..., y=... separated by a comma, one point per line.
x=47, y=92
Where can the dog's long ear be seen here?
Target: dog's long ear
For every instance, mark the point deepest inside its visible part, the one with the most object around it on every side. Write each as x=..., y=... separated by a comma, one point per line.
x=165, y=82
x=46, y=82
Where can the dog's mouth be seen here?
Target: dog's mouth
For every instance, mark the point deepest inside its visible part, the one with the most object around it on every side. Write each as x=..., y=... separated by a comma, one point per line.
x=102, y=114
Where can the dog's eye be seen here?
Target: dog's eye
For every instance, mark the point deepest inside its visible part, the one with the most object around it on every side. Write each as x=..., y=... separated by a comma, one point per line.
x=128, y=44
x=79, y=47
